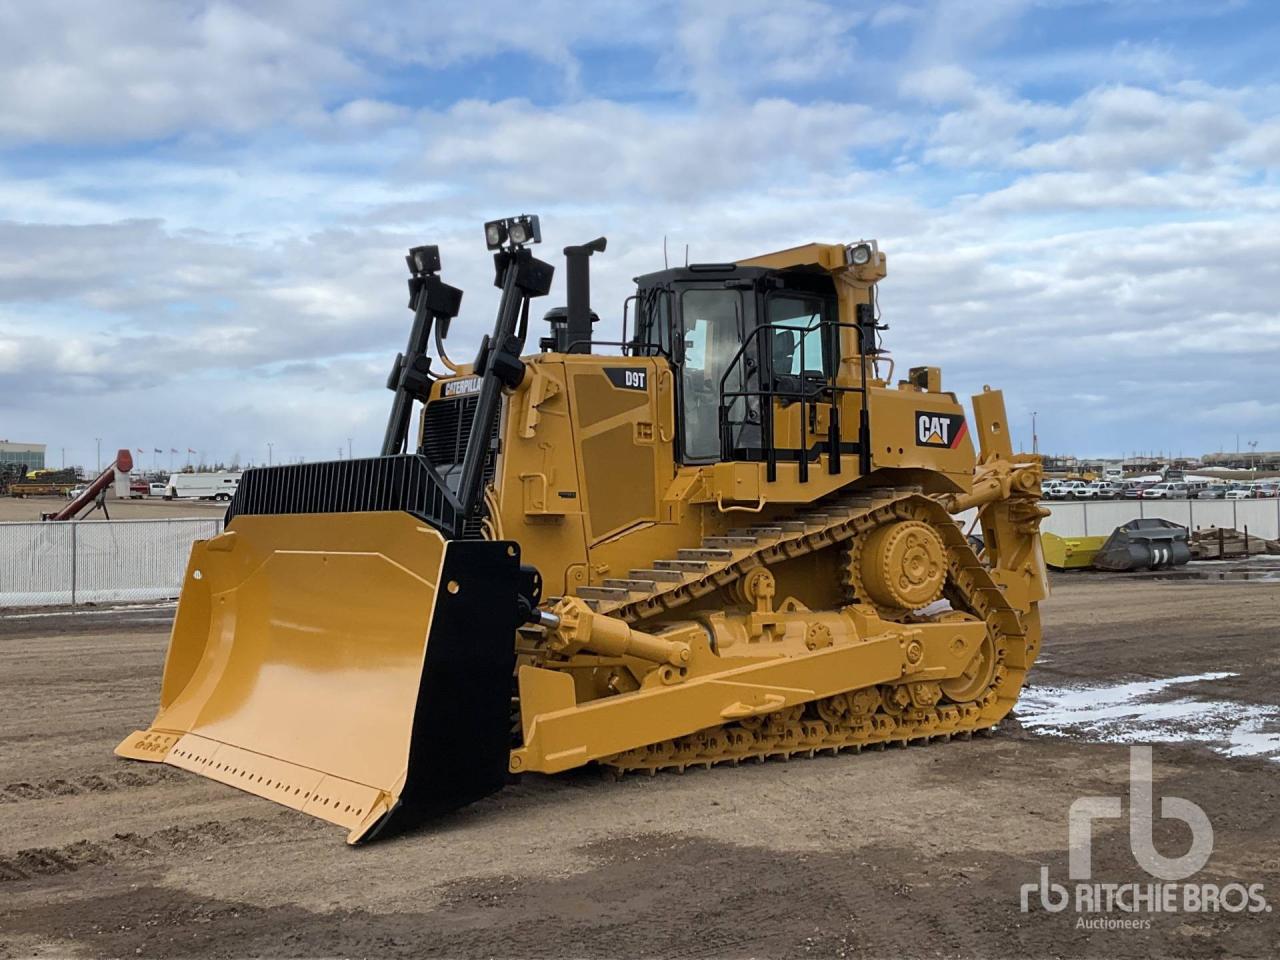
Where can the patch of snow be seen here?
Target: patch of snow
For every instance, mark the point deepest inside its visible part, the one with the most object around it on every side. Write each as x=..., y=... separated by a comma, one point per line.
x=1129, y=713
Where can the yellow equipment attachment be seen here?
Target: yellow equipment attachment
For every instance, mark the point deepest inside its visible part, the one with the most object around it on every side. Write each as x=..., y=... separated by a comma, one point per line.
x=744, y=528
x=1070, y=553
x=283, y=681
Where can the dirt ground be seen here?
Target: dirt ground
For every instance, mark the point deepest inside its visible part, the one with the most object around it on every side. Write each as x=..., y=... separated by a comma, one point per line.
x=30, y=508
x=904, y=852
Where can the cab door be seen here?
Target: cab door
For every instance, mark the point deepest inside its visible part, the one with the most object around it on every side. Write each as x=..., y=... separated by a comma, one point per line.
x=712, y=323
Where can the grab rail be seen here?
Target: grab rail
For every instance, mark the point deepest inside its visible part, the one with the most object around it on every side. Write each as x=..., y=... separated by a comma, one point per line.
x=807, y=394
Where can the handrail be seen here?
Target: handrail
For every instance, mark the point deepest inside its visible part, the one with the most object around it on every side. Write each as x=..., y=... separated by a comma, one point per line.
x=733, y=361
x=602, y=343
x=768, y=391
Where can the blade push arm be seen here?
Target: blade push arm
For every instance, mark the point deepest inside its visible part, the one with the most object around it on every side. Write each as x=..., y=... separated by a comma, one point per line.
x=521, y=277
x=432, y=301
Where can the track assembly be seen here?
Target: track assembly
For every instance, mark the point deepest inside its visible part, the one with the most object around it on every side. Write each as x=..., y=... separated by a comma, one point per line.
x=871, y=530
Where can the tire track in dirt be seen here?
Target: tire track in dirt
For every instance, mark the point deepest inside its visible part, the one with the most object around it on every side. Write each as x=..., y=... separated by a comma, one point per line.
x=24, y=790
x=35, y=862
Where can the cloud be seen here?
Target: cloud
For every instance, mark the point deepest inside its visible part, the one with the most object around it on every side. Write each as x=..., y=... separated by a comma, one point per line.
x=988, y=124
x=1127, y=128
x=1106, y=192
x=942, y=83
x=726, y=50
x=951, y=31
x=153, y=71
x=892, y=14
x=204, y=241
x=149, y=303
x=1161, y=321
x=1240, y=413
x=597, y=150
x=1261, y=147
x=364, y=114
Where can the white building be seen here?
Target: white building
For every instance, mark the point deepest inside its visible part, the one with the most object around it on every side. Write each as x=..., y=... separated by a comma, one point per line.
x=31, y=455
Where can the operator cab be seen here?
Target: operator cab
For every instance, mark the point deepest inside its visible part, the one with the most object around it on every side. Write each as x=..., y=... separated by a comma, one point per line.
x=739, y=338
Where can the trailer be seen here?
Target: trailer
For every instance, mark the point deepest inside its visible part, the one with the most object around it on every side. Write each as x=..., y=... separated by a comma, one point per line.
x=43, y=483
x=202, y=486
x=43, y=488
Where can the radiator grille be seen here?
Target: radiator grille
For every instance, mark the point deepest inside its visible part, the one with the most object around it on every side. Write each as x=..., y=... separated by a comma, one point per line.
x=405, y=482
x=446, y=425
x=424, y=484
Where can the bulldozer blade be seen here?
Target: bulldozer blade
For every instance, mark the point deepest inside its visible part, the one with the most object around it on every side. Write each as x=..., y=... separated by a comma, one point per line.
x=353, y=666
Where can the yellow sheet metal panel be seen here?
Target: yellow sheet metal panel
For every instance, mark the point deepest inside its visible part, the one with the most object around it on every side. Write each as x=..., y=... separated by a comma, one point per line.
x=926, y=433
x=623, y=465
x=621, y=487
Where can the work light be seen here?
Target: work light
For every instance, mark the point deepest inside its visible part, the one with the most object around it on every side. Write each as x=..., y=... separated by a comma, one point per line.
x=424, y=259
x=524, y=229
x=860, y=253
x=519, y=230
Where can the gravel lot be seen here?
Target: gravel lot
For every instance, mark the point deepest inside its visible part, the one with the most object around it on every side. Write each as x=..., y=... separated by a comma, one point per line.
x=904, y=852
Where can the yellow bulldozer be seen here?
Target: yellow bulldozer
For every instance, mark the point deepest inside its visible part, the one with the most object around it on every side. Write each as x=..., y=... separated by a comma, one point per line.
x=730, y=537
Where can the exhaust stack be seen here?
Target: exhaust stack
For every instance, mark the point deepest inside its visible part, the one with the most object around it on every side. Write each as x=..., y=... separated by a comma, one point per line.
x=576, y=331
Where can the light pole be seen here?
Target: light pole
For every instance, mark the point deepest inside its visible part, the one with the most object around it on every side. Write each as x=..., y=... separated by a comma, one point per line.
x=1253, y=446
x=268, y=453
x=98, y=441
x=1035, y=441
x=348, y=448
x=64, y=458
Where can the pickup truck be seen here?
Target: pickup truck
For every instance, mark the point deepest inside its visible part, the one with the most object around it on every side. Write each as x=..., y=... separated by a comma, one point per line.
x=1167, y=491
x=1068, y=490
x=1100, y=490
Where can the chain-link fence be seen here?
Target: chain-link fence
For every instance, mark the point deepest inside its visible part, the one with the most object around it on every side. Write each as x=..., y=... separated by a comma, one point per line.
x=96, y=561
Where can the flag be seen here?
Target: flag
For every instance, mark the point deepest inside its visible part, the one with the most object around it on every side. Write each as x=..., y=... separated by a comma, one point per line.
x=172, y=450
x=140, y=450
x=189, y=450
x=158, y=450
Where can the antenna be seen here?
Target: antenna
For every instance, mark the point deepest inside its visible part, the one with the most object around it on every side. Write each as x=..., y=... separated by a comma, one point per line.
x=686, y=255
x=665, y=265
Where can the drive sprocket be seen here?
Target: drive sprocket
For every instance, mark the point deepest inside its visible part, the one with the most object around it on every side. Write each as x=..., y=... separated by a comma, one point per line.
x=900, y=566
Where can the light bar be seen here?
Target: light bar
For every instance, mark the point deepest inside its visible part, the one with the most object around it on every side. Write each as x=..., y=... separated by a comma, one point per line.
x=518, y=230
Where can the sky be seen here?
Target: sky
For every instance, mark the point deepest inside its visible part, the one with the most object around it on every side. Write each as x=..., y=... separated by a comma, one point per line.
x=204, y=206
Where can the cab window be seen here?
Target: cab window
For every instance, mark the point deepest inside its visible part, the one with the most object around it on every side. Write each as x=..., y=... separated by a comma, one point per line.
x=653, y=325
x=798, y=345
x=712, y=335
